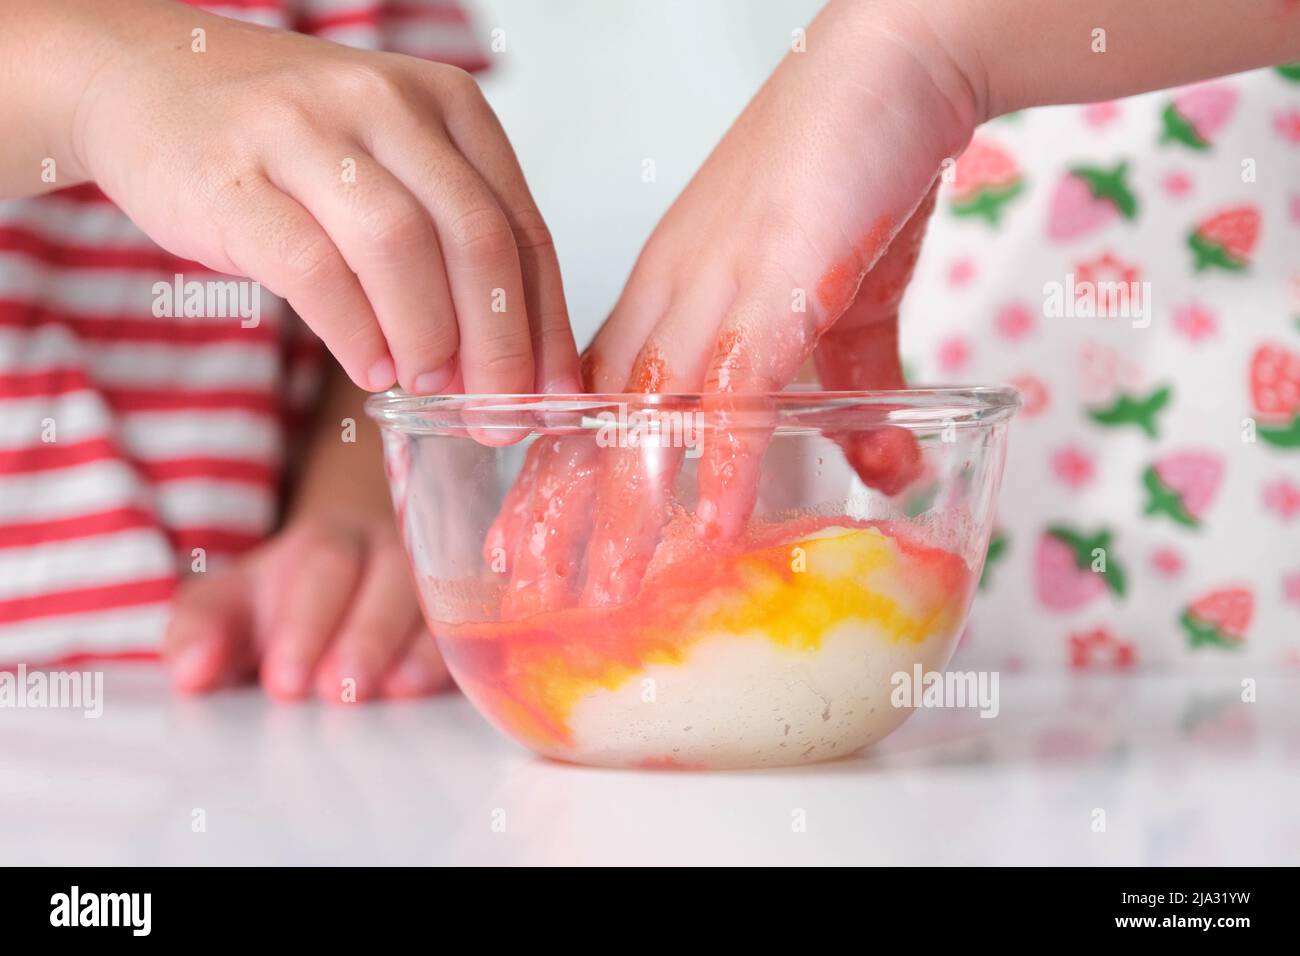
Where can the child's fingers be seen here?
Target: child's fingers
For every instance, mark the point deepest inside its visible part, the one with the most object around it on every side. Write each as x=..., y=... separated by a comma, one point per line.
x=326, y=564
x=274, y=240
x=209, y=642
x=763, y=343
x=860, y=358
x=879, y=296
x=609, y=359
x=634, y=484
x=503, y=534
x=387, y=238
x=479, y=135
x=860, y=352
x=420, y=671
x=674, y=357
x=376, y=628
x=553, y=534
x=554, y=350
x=480, y=255
x=633, y=496
x=760, y=348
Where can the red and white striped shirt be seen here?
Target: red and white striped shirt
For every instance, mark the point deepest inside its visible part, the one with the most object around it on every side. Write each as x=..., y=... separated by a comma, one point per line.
x=129, y=441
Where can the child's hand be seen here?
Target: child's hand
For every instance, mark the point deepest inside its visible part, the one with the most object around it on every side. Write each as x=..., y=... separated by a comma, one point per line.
x=327, y=601
x=802, y=228
x=377, y=193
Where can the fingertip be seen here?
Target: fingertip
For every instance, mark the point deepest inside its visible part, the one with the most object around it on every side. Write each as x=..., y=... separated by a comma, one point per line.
x=887, y=459
x=564, y=385
x=381, y=376
x=420, y=674
x=284, y=676
x=499, y=375
x=196, y=667
x=435, y=382
x=342, y=680
x=706, y=517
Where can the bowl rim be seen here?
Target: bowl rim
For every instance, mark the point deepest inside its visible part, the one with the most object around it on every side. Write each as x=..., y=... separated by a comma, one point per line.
x=959, y=404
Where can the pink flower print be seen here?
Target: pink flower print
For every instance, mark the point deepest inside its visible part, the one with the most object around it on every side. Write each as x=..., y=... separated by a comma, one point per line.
x=1167, y=562
x=1014, y=321
x=1073, y=467
x=961, y=271
x=1177, y=184
x=1105, y=372
x=1283, y=497
x=953, y=355
x=1098, y=115
x=1287, y=125
x=1295, y=208
x=1194, y=322
x=1100, y=647
x=1291, y=588
x=1101, y=275
x=1034, y=394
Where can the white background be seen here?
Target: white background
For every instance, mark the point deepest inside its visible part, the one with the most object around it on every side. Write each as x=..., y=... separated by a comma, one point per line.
x=1182, y=770
x=588, y=89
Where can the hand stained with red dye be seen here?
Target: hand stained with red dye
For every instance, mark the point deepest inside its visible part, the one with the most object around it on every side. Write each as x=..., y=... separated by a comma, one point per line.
x=839, y=284
x=650, y=374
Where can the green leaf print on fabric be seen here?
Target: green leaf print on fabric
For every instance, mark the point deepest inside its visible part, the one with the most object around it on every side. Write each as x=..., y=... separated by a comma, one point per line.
x=1287, y=436
x=1183, y=485
x=1219, y=618
x=921, y=502
x=987, y=204
x=1088, y=198
x=1196, y=115
x=998, y=545
x=986, y=177
x=1085, y=549
x=1179, y=130
x=1164, y=500
x=1138, y=411
x=1110, y=184
x=1275, y=393
x=1225, y=240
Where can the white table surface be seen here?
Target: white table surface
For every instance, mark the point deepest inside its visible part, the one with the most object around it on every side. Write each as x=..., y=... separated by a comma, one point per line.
x=1185, y=772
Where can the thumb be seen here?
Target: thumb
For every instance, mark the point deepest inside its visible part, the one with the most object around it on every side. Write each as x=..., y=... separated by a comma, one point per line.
x=860, y=352
x=887, y=458
x=208, y=642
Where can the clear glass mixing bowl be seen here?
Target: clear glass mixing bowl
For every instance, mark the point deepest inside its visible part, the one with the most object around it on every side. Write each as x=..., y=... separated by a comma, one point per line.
x=597, y=606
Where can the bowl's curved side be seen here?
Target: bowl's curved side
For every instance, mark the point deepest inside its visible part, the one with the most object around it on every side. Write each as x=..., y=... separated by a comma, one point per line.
x=802, y=641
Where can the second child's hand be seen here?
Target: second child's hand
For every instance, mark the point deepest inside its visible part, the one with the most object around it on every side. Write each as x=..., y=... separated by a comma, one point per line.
x=826, y=178
x=377, y=193
x=798, y=235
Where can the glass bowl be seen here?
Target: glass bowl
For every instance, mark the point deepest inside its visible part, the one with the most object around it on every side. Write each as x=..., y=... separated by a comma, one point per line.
x=695, y=581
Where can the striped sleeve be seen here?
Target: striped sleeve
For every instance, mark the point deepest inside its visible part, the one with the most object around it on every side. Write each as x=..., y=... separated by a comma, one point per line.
x=134, y=445
x=438, y=30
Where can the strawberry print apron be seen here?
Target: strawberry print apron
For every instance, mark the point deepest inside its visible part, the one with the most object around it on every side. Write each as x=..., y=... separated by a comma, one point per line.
x=1133, y=267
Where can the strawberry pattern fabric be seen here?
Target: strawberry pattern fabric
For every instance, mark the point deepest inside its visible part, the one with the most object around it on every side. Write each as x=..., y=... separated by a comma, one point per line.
x=1134, y=268
x=1087, y=199
x=985, y=179
x=1275, y=391
x=1226, y=239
